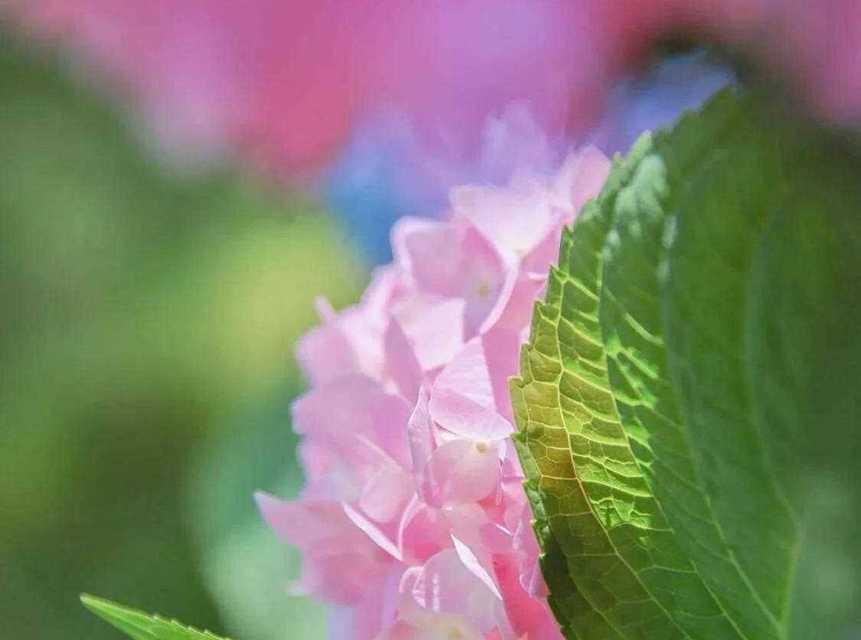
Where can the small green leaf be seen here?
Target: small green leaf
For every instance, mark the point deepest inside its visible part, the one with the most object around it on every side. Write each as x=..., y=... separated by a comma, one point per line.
x=141, y=626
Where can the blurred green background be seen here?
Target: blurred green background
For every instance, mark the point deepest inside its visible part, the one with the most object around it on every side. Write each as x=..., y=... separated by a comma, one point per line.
x=147, y=321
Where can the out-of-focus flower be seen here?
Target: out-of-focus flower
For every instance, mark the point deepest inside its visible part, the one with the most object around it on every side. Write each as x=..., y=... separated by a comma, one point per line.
x=385, y=172
x=379, y=177
x=383, y=103
x=289, y=81
x=414, y=520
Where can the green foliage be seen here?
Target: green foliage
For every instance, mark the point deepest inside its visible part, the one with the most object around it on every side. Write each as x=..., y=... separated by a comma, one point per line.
x=244, y=565
x=689, y=398
x=142, y=311
x=141, y=626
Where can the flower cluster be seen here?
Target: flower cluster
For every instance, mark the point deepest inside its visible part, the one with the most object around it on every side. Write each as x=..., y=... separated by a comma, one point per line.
x=414, y=522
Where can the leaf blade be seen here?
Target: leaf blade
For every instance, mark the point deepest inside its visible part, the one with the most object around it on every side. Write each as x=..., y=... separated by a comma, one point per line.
x=141, y=626
x=684, y=399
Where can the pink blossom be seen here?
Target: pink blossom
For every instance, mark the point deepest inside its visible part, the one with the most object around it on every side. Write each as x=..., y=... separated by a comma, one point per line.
x=414, y=520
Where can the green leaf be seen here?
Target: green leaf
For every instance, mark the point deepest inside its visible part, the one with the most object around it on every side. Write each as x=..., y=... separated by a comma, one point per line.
x=141, y=626
x=675, y=376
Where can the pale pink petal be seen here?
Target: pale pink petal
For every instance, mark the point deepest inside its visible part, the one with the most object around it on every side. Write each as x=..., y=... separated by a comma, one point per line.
x=420, y=432
x=465, y=521
x=513, y=219
x=386, y=493
x=468, y=375
x=501, y=349
x=433, y=627
x=537, y=262
x=429, y=251
x=460, y=471
x=386, y=286
x=424, y=531
x=401, y=363
x=481, y=276
x=472, y=563
x=370, y=618
x=349, y=468
x=451, y=260
x=528, y=615
x=462, y=416
x=317, y=459
x=280, y=515
x=332, y=473
x=462, y=399
x=358, y=331
x=373, y=532
x=513, y=310
x=511, y=468
x=325, y=353
x=364, y=331
x=329, y=541
x=350, y=341
x=446, y=586
x=495, y=538
x=581, y=178
x=525, y=544
x=433, y=326
x=355, y=405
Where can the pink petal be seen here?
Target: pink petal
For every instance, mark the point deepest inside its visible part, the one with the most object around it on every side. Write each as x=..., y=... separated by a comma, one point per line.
x=495, y=538
x=446, y=586
x=513, y=309
x=370, y=617
x=537, y=262
x=280, y=515
x=401, y=363
x=433, y=326
x=501, y=350
x=467, y=374
x=329, y=541
x=462, y=400
x=325, y=353
x=355, y=405
x=433, y=627
x=386, y=493
x=424, y=531
x=481, y=276
x=373, y=532
x=465, y=521
x=582, y=177
x=451, y=260
x=471, y=562
x=527, y=615
x=429, y=251
x=460, y=471
x=420, y=433
x=513, y=219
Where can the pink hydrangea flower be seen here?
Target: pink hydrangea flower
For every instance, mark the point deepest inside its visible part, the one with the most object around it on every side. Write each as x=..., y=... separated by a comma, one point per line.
x=414, y=520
